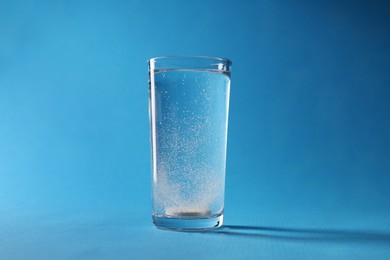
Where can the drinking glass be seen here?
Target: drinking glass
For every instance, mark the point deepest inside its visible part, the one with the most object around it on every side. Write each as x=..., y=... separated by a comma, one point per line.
x=188, y=105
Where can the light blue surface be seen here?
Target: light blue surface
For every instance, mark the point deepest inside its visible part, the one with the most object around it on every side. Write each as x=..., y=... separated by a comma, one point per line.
x=309, y=136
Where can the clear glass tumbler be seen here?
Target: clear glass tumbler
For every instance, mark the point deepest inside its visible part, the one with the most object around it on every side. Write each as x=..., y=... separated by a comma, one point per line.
x=189, y=105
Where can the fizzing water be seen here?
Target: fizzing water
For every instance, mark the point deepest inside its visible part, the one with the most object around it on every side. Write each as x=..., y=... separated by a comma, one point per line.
x=189, y=114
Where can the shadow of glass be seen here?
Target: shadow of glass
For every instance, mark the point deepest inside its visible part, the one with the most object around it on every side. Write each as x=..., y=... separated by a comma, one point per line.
x=304, y=234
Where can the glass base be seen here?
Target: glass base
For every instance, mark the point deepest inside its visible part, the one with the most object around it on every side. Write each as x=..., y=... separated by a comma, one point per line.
x=187, y=223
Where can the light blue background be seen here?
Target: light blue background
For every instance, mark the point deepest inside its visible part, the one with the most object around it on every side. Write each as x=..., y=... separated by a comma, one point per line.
x=308, y=169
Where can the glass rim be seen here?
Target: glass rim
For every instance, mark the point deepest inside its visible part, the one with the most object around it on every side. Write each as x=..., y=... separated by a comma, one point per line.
x=220, y=59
